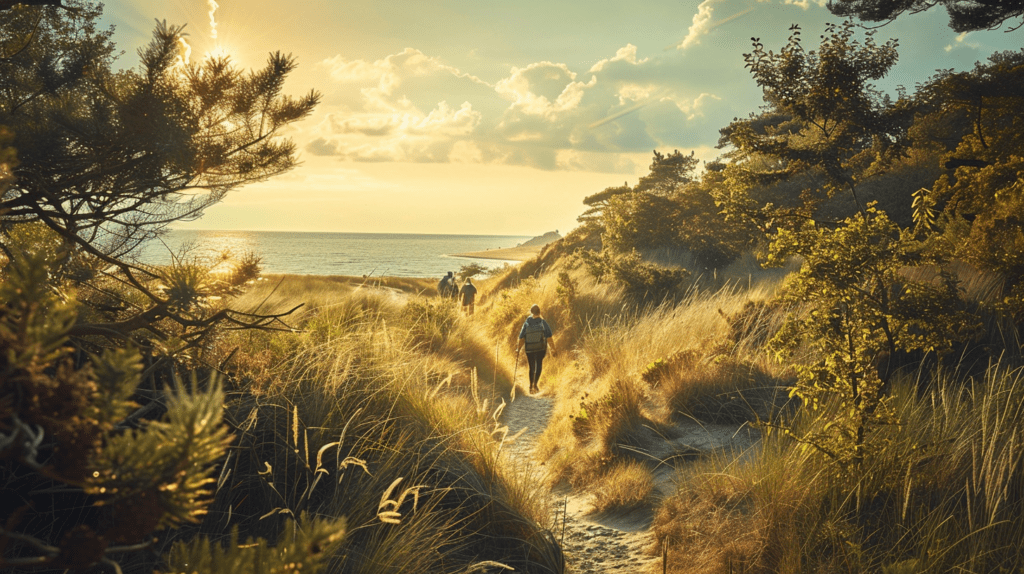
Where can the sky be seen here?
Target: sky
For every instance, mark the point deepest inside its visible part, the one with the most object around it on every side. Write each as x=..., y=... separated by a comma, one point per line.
x=501, y=116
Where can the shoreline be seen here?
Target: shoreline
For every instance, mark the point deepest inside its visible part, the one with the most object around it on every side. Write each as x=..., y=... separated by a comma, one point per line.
x=520, y=253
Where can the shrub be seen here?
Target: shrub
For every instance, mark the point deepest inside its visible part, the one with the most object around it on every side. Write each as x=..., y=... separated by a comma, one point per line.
x=624, y=485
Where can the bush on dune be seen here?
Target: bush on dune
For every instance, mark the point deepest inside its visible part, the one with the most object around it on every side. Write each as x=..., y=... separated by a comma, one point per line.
x=943, y=494
x=637, y=372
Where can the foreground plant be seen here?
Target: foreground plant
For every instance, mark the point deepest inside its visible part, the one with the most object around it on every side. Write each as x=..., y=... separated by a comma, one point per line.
x=87, y=478
x=861, y=311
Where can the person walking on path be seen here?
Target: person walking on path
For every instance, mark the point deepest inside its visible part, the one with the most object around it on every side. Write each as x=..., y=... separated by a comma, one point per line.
x=446, y=285
x=468, y=294
x=537, y=338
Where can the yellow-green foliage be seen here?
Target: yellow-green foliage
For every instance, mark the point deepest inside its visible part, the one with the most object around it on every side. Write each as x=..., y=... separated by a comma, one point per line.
x=312, y=544
x=860, y=307
x=641, y=369
x=942, y=492
x=63, y=429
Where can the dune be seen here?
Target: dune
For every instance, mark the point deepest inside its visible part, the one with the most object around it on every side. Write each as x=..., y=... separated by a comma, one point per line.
x=520, y=253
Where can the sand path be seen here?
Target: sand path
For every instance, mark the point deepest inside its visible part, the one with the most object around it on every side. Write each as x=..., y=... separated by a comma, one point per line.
x=613, y=541
x=591, y=543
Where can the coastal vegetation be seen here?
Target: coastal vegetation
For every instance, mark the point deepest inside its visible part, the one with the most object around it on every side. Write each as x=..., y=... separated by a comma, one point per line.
x=196, y=417
x=842, y=288
x=841, y=282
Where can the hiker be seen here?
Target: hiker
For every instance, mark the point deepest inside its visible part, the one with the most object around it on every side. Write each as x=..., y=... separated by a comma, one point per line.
x=468, y=294
x=536, y=337
x=446, y=285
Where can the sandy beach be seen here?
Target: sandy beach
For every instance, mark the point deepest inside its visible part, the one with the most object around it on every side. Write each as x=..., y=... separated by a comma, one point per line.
x=521, y=253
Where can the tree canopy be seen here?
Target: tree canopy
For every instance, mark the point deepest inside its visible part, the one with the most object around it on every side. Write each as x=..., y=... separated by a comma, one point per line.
x=108, y=158
x=964, y=15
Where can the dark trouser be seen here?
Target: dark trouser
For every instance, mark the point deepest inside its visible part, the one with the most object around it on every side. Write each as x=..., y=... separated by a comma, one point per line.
x=536, y=360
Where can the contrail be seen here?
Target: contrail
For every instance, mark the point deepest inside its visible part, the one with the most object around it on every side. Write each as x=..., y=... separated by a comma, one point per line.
x=731, y=18
x=619, y=114
x=629, y=110
x=213, y=20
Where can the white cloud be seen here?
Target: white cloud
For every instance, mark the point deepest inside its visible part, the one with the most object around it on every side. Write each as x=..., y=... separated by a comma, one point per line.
x=543, y=89
x=625, y=54
x=544, y=114
x=400, y=135
x=693, y=108
x=701, y=24
x=959, y=41
x=805, y=4
x=388, y=73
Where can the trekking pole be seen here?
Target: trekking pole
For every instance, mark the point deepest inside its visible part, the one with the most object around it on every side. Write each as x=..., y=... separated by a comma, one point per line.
x=515, y=371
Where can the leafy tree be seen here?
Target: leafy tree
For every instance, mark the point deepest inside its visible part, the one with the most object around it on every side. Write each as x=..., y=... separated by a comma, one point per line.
x=597, y=203
x=106, y=159
x=825, y=121
x=827, y=128
x=703, y=228
x=862, y=310
x=981, y=196
x=470, y=270
x=639, y=220
x=964, y=15
x=668, y=173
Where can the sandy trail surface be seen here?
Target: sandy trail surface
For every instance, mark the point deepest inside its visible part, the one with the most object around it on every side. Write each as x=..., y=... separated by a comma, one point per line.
x=592, y=543
x=611, y=541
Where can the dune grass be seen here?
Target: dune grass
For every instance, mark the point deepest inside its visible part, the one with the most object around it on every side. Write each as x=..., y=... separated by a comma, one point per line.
x=379, y=409
x=624, y=485
x=943, y=491
x=626, y=373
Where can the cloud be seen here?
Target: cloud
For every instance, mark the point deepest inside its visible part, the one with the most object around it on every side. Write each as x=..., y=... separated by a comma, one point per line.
x=701, y=24
x=959, y=41
x=624, y=54
x=390, y=72
x=545, y=114
x=543, y=89
x=805, y=4
x=400, y=135
x=694, y=108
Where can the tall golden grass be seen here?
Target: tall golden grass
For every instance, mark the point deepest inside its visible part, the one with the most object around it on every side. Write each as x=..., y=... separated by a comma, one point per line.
x=942, y=492
x=380, y=408
x=626, y=373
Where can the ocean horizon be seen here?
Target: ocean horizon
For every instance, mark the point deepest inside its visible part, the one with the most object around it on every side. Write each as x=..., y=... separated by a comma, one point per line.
x=333, y=253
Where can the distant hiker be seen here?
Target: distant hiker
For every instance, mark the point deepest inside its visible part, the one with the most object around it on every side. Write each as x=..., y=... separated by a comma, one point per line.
x=446, y=286
x=453, y=286
x=536, y=337
x=468, y=294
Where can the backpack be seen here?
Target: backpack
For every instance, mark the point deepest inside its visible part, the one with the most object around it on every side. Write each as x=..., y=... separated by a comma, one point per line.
x=534, y=337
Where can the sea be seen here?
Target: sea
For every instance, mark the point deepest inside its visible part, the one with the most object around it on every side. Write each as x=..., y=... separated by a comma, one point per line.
x=357, y=254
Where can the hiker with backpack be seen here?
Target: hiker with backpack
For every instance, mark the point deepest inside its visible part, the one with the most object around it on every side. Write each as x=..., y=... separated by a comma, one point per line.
x=536, y=337
x=446, y=286
x=468, y=294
